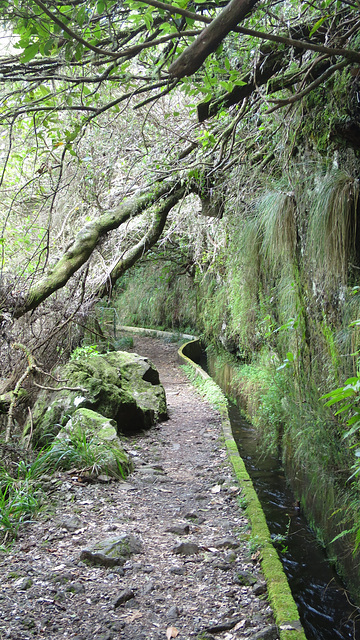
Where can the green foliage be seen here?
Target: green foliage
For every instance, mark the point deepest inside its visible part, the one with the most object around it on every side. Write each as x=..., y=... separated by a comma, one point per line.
x=332, y=227
x=80, y=450
x=85, y=352
x=154, y=296
x=123, y=343
x=348, y=396
x=206, y=387
x=20, y=496
x=277, y=228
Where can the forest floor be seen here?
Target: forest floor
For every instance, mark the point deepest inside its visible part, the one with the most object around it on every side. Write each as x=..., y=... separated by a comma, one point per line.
x=197, y=574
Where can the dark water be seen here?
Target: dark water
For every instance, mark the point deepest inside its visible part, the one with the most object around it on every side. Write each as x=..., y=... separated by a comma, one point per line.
x=324, y=608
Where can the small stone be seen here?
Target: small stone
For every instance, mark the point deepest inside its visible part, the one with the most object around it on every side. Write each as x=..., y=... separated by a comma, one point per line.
x=25, y=584
x=226, y=625
x=224, y=566
x=269, y=633
x=186, y=548
x=178, y=571
x=116, y=625
x=148, y=568
x=75, y=587
x=28, y=623
x=106, y=635
x=194, y=517
x=230, y=557
x=244, y=578
x=149, y=587
x=112, y=551
x=191, y=516
x=181, y=530
x=124, y=596
x=227, y=543
x=173, y=613
x=71, y=524
x=259, y=588
x=104, y=479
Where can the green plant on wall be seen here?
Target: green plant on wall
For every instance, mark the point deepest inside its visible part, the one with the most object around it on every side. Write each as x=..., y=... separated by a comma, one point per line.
x=332, y=226
x=348, y=396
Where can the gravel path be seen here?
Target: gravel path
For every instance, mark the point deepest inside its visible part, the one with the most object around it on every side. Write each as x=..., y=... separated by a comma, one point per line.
x=197, y=573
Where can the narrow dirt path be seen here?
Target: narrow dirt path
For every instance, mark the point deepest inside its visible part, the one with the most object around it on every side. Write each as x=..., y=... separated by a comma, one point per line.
x=194, y=577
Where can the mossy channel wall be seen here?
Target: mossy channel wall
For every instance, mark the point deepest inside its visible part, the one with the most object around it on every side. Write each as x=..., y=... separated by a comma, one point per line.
x=280, y=597
x=321, y=502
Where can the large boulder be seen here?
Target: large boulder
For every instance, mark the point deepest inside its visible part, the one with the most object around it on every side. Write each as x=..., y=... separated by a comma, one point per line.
x=124, y=387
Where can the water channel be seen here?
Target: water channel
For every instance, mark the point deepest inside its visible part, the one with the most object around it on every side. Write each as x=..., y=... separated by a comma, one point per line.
x=324, y=606
x=325, y=611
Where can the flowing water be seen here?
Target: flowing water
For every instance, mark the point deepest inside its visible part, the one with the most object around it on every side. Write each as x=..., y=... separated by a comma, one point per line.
x=325, y=610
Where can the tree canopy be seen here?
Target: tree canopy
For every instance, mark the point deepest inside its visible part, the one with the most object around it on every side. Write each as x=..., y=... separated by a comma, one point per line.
x=116, y=111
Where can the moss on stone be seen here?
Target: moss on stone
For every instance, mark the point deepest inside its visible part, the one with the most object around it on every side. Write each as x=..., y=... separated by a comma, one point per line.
x=121, y=386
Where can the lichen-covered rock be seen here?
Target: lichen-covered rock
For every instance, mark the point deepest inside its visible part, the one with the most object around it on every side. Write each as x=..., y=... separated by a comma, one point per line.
x=122, y=386
x=112, y=552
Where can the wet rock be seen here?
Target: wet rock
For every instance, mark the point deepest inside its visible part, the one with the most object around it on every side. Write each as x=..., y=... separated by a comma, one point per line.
x=186, y=548
x=112, y=551
x=124, y=596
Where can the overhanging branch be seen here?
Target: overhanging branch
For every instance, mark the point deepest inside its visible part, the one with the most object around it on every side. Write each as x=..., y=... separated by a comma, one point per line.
x=83, y=245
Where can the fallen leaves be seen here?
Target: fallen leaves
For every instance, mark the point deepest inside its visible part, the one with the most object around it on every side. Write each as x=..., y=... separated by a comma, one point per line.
x=134, y=615
x=171, y=632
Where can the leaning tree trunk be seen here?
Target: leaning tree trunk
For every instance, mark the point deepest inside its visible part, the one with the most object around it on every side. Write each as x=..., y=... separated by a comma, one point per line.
x=86, y=240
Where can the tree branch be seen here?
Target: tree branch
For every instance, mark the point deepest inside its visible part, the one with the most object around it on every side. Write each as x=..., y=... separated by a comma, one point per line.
x=72, y=33
x=147, y=241
x=84, y=244
x=192, y=58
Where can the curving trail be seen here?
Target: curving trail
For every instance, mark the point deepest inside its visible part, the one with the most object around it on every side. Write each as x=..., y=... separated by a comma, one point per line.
x=182, y=492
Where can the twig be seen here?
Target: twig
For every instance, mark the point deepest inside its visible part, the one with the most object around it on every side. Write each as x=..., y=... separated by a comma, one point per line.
x=41, y=386
x=31, y=428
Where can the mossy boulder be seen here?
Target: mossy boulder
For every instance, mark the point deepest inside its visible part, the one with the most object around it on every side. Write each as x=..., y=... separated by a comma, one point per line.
x=103, y=450
x=124, y=387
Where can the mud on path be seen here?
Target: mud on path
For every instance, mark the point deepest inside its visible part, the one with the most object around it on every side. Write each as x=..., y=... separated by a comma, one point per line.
x=182, y=491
